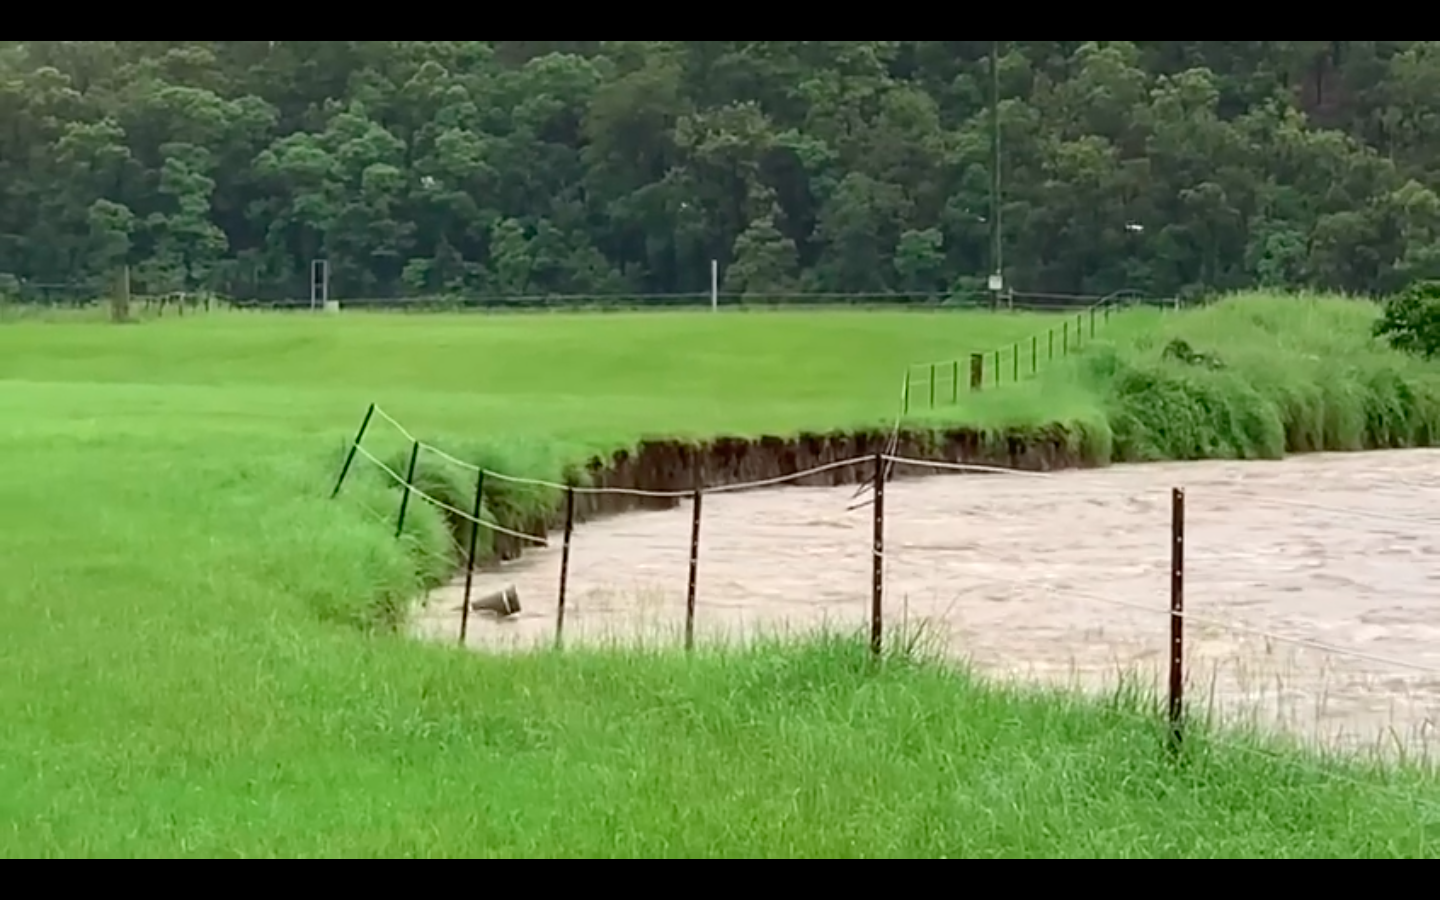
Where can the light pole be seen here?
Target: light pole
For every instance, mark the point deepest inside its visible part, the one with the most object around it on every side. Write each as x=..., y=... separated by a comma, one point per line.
x=997, y=262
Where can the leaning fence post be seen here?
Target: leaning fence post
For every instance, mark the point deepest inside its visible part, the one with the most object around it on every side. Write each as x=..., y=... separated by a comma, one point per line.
x=877, y=565
x=1177, y=615
x=564, y=563
x=354, y=448
x=905, y=394
x=694, y=567
x=470, y=557
x=405, y=496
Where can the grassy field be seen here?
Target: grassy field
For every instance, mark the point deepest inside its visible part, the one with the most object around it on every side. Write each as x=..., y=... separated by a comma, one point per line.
x=181, y=671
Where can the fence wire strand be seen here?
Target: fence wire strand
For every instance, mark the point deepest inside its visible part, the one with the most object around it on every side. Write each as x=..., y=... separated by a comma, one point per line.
x=888, y=457
x=972, y=468
x=441, y=504
x=1164, y=610
x=1252, y=631
x=1332, y=510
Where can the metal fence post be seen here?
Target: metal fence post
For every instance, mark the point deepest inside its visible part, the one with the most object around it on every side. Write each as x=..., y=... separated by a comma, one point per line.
x=1177, y=616
x=354, y=448
x=564, y=564
x=405, y=496
x=877, y=565
x=694, y=572
x=470, y=558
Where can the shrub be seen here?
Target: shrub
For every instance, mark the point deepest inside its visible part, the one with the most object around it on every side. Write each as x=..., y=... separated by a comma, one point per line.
x=1411, y=322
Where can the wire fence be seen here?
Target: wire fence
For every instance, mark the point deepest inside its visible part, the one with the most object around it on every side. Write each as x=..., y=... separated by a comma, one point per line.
x=939, y=383
x=1033, y=301
x=1097, y=608
x=79, y=295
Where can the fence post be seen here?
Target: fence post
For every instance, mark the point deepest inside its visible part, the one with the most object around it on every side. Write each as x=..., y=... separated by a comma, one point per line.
x=1051, y=332
x=877, y=565
x=564, y=564
x=997, y=368
x=470, y=558
x=120, y=302
x=1079, y=329
x=1177, y=616
x=954, y=382
x=905, y=394
x=694, y=566
x=932, y=385
x=354, y=447
x=1065, y=338
x=1015, y=364
x=977, y=371
x=405, y=497
x=1034, y=353
x=1092, y=321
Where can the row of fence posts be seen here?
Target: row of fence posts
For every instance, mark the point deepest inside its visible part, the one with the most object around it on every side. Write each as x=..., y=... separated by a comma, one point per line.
x=977, y=360
x=1176, y=655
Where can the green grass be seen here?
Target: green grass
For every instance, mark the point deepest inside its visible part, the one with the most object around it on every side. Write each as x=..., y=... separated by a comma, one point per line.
x=188, y=667
x=1298, y=374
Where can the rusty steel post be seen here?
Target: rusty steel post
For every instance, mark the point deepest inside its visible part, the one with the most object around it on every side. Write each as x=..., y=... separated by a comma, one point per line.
x=1177, y=616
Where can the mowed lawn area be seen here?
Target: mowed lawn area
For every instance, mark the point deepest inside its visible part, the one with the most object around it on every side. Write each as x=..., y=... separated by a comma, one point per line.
x=184, y=671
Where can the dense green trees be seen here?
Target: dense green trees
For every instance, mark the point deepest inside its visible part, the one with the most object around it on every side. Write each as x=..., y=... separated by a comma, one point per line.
x=530, y=167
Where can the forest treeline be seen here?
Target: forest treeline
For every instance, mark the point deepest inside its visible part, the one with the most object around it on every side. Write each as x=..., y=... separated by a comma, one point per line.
x=507, y=168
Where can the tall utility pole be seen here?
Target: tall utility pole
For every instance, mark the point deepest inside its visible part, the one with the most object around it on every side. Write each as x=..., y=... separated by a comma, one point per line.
x=997, y=261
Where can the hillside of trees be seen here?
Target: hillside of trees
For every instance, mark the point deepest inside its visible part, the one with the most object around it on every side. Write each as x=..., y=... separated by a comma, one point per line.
x=505, y=168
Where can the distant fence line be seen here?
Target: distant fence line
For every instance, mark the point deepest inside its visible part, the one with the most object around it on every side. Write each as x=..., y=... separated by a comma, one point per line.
x=702, y=301
x=881, y=466
x=180, y=302
x=929, y=384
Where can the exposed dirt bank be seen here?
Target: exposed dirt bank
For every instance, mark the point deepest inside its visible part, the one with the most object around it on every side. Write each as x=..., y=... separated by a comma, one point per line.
x=674, y=465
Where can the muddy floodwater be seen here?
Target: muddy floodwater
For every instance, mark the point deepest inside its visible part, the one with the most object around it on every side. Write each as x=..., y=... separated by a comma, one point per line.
x=1060, y=578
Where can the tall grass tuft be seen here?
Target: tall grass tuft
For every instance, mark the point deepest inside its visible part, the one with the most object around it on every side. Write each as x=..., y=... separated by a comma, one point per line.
x=1274, y=375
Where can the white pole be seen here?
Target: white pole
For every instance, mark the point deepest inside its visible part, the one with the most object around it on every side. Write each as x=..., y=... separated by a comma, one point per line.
x=714, y=285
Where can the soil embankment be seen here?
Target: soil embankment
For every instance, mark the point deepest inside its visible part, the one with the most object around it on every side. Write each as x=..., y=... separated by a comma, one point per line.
x=676, y=465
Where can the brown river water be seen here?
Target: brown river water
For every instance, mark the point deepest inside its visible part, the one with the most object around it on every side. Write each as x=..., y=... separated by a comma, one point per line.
x=1312, y=584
